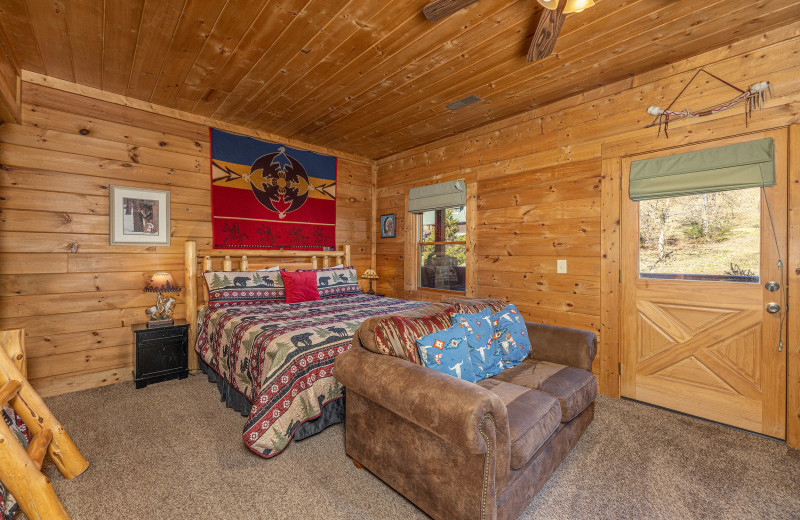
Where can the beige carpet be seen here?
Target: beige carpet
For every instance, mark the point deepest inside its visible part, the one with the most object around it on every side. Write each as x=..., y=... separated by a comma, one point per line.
x=172, y=450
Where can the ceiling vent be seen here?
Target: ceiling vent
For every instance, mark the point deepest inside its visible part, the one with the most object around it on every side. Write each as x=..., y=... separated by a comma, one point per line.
x=464, y=102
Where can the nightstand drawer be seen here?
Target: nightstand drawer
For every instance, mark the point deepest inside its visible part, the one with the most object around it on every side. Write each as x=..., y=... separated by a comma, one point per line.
x=160, y=333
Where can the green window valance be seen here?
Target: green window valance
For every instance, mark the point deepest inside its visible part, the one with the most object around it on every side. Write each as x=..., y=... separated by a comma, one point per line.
x=732, y=167
x=437, y=196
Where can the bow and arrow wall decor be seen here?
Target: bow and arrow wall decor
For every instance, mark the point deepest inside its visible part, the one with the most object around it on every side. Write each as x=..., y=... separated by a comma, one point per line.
x=753, y=98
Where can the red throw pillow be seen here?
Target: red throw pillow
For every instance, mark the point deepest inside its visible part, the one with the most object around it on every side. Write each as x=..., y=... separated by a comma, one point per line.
x=300, y=286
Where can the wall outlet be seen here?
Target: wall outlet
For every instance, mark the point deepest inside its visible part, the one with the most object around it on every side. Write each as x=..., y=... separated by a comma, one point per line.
x=561, y=266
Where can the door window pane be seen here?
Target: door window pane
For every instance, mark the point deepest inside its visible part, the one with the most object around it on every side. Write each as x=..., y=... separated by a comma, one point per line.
x=713, y=236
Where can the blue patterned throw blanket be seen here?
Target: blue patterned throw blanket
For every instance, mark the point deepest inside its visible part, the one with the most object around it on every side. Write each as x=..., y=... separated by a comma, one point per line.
x=280, y=357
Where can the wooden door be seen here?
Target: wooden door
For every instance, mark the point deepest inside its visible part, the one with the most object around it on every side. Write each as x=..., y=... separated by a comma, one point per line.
x=709, y=348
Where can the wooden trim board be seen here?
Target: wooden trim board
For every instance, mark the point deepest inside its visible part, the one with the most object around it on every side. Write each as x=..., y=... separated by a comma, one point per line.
x=793, y=285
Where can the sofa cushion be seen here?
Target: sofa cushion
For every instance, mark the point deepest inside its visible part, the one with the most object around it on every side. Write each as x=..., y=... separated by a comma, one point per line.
x=483, y=350
x=446, y=351
x=532, y=418
x=574, y=388
x=511, y=335
x=394, y=335
x=473, y=305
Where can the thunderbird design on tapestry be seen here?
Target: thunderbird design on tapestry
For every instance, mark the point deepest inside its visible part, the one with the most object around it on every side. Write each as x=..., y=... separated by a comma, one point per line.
x=268, y=196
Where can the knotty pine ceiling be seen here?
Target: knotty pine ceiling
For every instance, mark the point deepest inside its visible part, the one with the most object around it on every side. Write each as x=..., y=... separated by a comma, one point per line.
x=369, y=77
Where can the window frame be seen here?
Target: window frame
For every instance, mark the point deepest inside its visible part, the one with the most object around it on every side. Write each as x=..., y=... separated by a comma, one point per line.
x=418, y=223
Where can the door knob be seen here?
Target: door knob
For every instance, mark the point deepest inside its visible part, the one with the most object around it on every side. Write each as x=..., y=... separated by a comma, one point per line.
x=772, y=286
x=773, y=307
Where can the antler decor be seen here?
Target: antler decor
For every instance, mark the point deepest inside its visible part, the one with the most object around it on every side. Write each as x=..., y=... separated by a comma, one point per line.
x=754, y=99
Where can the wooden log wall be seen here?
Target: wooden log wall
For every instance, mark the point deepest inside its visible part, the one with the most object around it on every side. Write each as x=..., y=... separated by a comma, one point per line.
x=539, y=179
x=59, y=278
x=9, y=85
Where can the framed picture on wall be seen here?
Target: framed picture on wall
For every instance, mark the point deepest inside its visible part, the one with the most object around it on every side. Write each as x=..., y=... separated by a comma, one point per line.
x=388, y=228
x=138, y=216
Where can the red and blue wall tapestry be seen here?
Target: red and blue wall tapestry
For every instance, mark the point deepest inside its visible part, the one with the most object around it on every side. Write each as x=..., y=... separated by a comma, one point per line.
x=269, y=196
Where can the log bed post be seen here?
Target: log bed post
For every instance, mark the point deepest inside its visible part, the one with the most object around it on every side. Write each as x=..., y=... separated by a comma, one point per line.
x=347, y=255
x=314, y=263
x=206, y=268
x=227, y=265
x=14, y=342
x=190, y=297
x=244, y=264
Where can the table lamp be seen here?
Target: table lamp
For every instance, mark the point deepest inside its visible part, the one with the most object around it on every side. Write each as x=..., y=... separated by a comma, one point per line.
x=161, y=313
x=370, y=275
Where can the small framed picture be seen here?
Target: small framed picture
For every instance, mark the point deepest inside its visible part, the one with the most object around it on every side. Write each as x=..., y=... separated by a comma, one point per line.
x=138, y=216
x=388, y=228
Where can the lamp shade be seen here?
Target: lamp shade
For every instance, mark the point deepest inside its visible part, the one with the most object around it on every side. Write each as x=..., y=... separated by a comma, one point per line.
x=370, y=274
x=549, y=4
x=576, y=6
x=161, y=283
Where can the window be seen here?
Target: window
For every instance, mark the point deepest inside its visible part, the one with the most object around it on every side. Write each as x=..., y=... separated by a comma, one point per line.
x=442, y=249
x=710, y=236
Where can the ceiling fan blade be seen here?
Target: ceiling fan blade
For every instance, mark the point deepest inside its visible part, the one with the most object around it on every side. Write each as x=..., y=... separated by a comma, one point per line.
x=547, y=30
x=439, y=9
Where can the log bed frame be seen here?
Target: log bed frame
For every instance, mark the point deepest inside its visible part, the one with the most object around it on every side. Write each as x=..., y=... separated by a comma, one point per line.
x=248, y=259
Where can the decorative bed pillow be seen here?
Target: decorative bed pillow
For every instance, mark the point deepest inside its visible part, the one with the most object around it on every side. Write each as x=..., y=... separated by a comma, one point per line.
x=300, y=286
x=242, y=288
x=273, y=268
x=483, y=350
x=395, y=335
x=446, y=351
x=471, y=306
x=332, y=281
x=511, y=335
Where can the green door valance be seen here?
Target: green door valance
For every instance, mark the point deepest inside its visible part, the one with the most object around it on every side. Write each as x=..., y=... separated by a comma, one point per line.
x=437, y=196
x=732, y=167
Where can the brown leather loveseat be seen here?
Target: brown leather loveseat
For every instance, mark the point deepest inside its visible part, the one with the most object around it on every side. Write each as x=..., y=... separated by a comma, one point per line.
x=466, y=450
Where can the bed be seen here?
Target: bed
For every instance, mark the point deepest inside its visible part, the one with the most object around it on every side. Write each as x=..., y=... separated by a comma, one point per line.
x=274, y=361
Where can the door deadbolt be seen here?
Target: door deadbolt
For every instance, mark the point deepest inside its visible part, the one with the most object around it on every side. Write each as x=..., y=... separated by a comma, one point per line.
x=773, y=307
x=772, y=286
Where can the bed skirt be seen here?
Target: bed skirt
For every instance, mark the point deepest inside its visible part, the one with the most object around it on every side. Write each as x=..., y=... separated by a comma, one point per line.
x=332, y=413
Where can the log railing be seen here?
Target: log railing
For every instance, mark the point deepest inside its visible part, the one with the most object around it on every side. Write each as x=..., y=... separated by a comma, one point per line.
x=20, y=470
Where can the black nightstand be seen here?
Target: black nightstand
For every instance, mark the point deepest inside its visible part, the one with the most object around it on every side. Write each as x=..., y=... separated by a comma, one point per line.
x=161, y=353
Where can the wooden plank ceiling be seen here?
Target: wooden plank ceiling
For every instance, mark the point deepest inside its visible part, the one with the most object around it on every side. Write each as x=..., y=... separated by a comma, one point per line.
x=369, y=77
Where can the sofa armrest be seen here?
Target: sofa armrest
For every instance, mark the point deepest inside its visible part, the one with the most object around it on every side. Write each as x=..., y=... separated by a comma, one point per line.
x=563, y=345
x=444, y=405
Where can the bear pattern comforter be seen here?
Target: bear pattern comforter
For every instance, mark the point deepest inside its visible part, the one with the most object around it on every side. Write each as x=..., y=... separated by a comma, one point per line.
x=280, y=357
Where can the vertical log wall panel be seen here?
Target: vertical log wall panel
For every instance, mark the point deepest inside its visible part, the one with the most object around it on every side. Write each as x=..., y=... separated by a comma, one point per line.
x=539, y=177
x=75, y=295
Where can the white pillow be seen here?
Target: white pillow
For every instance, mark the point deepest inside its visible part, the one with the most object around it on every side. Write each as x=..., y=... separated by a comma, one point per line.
x=337, y=266
x=276, y=268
